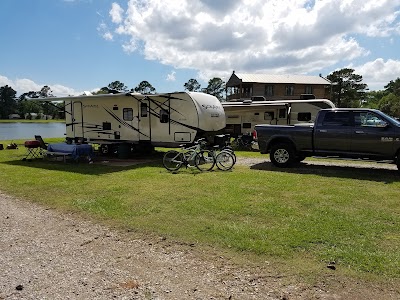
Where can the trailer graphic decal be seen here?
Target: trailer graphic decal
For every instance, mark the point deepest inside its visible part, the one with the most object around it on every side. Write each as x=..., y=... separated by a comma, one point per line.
x=165, y=106
x=124, y=123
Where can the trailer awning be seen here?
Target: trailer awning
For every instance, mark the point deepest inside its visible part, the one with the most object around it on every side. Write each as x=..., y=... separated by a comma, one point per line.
x=254, y=104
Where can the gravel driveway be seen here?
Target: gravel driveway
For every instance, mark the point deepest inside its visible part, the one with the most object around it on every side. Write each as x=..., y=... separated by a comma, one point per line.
x=48, y=255
x=45, y=254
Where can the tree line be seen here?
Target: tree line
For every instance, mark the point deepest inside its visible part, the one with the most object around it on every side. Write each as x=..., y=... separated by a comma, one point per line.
x=347, y=90
x=215, y=87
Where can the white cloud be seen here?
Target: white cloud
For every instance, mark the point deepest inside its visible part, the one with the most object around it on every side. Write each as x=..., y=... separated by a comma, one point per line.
x=275, y=36
x=5, y=81
x=379, y=72
x=116, y=13
x=171, y=76
x=108, y=36
x=26, y=85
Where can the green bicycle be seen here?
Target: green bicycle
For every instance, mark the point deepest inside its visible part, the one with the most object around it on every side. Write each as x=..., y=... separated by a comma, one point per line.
x=193, y=156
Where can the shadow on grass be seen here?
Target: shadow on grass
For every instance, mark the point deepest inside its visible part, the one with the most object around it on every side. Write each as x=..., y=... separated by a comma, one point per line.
x=99, y=167
x=339, y=171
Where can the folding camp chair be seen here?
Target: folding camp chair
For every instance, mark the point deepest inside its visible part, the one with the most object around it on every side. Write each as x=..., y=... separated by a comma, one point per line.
x=43, y=145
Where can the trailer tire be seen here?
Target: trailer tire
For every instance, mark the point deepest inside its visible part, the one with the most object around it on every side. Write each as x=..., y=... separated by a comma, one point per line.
x=282, y=155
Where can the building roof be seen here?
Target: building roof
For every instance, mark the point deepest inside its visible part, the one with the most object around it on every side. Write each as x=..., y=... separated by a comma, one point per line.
x=238, y=78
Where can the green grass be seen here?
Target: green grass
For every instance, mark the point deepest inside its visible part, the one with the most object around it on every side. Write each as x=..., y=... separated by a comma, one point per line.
x=297, y=216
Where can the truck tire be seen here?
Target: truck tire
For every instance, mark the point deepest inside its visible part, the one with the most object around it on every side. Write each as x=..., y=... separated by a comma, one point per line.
x=282, y=155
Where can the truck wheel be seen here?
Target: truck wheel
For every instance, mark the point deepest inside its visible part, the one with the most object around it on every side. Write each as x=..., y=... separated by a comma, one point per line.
x=282, y=155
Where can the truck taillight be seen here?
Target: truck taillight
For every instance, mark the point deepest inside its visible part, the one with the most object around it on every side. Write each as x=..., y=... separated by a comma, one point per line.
x=254, y=134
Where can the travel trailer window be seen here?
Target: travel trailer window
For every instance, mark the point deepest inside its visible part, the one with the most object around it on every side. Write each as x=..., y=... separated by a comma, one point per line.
x=304, y=116
x=128, y=114
x=143, y=109
x=282, y=113
x=164, y=116
x=106, y=126
x=269, y=115
x=246, y=125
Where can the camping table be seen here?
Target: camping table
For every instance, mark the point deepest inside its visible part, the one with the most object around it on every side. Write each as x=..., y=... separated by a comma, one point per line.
x=74, y=150
x=33, y=150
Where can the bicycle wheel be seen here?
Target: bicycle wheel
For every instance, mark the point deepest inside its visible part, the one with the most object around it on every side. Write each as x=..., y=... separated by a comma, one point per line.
x=225, y=160
x=231, y=151
x=172, y=160
x=204, y=160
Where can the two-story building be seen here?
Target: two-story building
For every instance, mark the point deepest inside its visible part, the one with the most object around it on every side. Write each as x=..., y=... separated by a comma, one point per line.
x=276, y=87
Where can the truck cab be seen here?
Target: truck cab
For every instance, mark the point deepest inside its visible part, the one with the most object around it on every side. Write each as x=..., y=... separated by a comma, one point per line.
x=356, y=132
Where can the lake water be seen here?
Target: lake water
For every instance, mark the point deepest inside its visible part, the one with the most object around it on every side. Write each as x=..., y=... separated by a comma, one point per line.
x=18, y=131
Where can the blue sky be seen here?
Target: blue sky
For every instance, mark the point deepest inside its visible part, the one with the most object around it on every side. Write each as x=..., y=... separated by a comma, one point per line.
x=83, y=45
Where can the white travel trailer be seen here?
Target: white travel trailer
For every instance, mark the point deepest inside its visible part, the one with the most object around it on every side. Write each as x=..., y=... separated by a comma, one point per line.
x=241, y=117
x=142, y=121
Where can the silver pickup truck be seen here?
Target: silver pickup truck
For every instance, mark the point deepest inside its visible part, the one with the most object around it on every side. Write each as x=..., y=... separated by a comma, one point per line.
x=341, y=132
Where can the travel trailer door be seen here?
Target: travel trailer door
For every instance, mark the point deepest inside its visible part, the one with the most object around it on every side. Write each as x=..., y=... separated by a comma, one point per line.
x=77, y=120
x=144, y=120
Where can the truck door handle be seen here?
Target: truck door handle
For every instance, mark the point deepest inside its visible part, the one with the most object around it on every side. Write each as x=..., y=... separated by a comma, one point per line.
x=359, y=131
x=323, y=130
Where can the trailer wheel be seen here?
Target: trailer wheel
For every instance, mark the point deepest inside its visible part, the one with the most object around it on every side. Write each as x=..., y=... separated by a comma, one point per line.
x=282, y=155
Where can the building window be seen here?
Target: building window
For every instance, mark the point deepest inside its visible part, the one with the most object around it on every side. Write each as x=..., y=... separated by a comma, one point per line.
x=289, y=90
x=308, y=89
x=269, y=91
x=247, y=91
x=128, y=114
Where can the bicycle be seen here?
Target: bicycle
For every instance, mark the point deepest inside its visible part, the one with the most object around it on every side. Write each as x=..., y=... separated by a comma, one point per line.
x=202, y=158
x=243, y=142
x=225, y=159
x=223, y=142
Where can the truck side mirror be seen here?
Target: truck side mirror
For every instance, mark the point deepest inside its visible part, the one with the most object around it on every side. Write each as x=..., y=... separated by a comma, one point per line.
x=383, y=124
